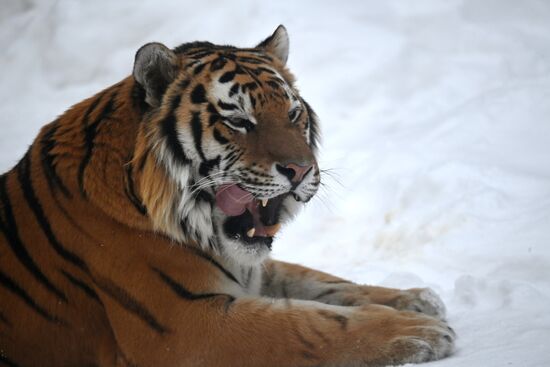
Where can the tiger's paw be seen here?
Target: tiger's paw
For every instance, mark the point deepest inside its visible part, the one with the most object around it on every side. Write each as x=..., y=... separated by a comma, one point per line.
x=427, y=343
x=423, y=300
x=409, y=337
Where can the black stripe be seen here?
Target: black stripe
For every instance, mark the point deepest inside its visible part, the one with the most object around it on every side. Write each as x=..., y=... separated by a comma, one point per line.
x=87, y=138
x=342, y=320
x=168, y=127
x=184, y=293
x=24, y=176
x=233, y=160
x=231, y=154
x=249, y=71
x=198, y=95
x=196, y=126
x=69, y=218
x=218, y=63
x=227, y=77
x=17, y=246
x=7, y=362
x=130, y=304
x=48, y=144
x=219, y=137
x=250, y=60
x=131, y=193
x=212, y=109
x=325, y=293
x=313, y=126
x=306, y=343
x=184, y=226
x=317, y=332
x=213, y=118
x=14, y=288
x=206, y=257
x=80, y=284
x=205, y=196
x=253, y=101
x=241, y=69
x=261, y=69
x=214, y=115
x=262, y=55
x=192, y=63
x=90, y=131
x=273, y=84
x=235, y=89
x=199, y=54
x=227, y=106
x=207, y=166
x=4, y=319
x=193, y=48
x=183, y=84
x=199, y=68
x=252, y=86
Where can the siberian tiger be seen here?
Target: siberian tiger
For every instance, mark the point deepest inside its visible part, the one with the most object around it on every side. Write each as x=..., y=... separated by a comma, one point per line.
x=136, y=231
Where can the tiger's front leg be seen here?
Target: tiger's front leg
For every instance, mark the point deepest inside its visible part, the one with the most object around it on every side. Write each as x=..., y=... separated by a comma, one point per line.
x=284, y=280
x=214, y=330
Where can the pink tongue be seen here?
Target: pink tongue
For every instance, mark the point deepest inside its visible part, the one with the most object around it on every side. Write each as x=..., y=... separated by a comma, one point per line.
x=233, y=200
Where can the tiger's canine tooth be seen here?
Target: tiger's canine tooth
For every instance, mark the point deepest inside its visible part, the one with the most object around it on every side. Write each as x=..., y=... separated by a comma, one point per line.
x=264, y=202
x=251, y=232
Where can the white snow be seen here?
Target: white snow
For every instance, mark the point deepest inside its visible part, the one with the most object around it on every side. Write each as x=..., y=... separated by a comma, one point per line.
x=436, y=128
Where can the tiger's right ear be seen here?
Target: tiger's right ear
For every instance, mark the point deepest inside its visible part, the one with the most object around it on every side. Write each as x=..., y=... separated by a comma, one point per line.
x=155, y=67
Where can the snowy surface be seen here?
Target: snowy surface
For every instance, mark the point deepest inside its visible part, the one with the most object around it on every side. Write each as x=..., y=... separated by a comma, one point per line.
x=436, y=126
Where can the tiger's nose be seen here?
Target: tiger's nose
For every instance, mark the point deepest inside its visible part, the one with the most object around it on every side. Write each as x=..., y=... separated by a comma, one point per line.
x=294, y=172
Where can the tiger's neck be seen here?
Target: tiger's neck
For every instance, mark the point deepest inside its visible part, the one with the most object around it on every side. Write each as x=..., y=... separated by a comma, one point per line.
x=109, y=151
x=87, y=153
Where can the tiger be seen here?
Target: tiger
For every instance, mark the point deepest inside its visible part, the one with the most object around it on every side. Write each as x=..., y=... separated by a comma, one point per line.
x=137, y=230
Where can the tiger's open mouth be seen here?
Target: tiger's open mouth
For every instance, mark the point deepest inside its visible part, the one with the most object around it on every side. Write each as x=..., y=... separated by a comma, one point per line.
x=251, y=220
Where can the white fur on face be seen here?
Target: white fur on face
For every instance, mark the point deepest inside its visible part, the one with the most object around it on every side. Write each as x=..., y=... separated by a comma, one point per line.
x=197, y=215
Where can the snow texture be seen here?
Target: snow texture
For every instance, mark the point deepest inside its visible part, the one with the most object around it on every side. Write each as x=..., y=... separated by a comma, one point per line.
x=436, y=136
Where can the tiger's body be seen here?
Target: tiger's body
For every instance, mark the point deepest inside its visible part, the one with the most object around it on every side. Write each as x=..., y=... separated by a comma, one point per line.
x=121, y=245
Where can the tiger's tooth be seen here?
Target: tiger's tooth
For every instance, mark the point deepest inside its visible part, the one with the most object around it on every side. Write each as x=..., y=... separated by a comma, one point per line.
x=251, y=232
x=264, y=202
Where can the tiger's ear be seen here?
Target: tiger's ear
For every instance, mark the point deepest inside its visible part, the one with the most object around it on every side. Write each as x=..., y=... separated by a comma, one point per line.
x=277, y=44
x=155, y=67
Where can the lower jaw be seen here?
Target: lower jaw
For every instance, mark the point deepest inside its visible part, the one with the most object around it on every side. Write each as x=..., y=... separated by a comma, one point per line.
x=252, y=242
x=236, y=228
x=257, y=241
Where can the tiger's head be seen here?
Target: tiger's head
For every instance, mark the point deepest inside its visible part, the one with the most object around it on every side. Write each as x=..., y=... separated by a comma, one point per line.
x=227, y=145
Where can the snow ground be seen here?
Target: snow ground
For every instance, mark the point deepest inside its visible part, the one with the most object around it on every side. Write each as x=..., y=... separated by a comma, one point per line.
x=436, y=130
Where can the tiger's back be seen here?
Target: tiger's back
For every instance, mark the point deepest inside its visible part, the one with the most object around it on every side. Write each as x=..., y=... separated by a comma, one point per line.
x=49, y=300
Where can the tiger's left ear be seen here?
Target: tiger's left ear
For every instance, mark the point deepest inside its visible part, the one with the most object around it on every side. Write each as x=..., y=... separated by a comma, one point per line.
x=155, y=67
x=277, y=44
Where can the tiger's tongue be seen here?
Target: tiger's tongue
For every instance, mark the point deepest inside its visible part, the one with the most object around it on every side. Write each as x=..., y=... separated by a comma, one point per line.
x=233, y=201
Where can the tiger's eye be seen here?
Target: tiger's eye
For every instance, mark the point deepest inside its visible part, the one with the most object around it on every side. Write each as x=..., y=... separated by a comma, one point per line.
x=294, y=114
x=239, y=123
